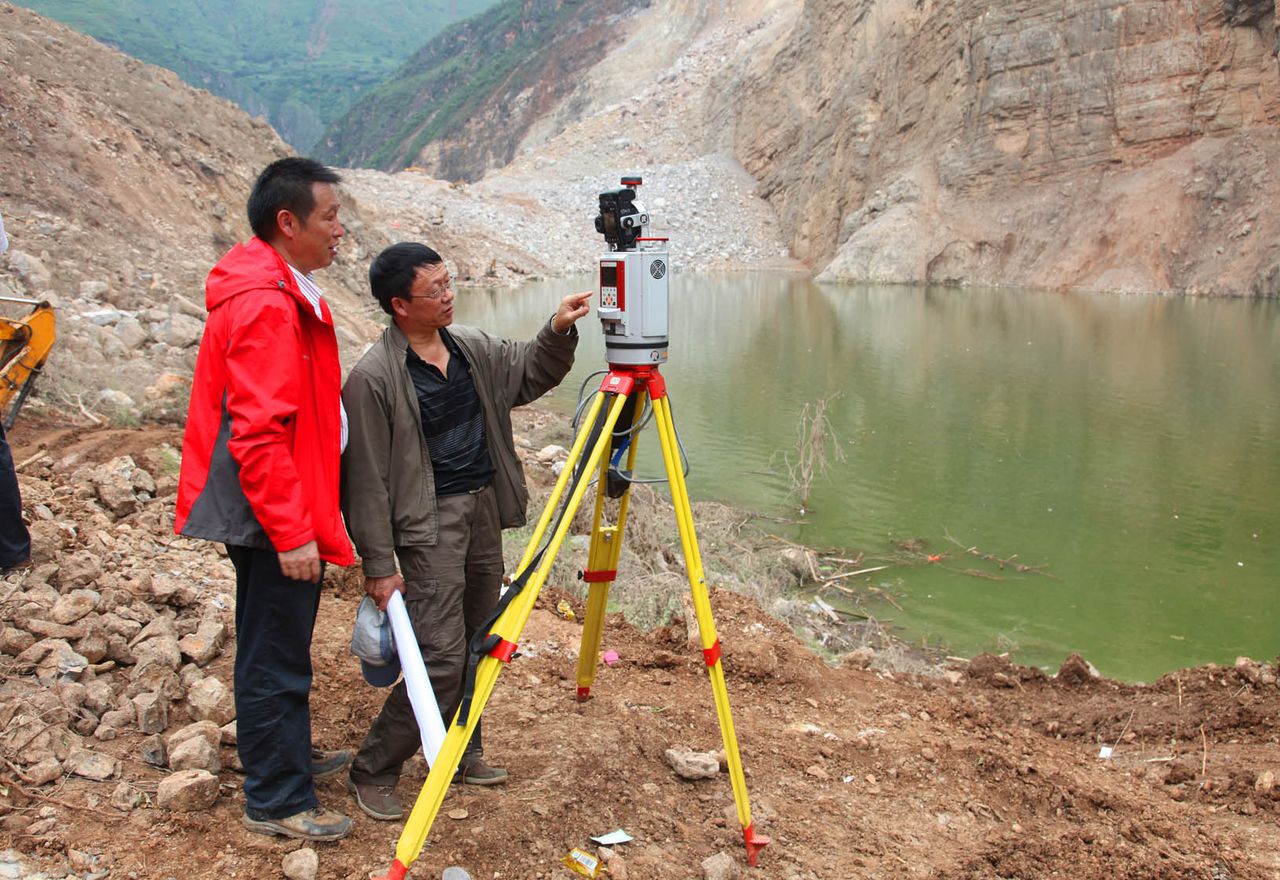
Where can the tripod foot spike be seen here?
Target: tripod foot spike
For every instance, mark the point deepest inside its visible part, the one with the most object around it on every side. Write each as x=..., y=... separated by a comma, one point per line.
x=397, y=871
x=755, y=843
x=584, y=694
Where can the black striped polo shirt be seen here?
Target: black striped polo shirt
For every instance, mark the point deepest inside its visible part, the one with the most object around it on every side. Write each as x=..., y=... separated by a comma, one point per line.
x=452, y=421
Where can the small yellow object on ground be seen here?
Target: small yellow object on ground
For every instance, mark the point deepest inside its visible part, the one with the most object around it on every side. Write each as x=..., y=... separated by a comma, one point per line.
x=582, y=863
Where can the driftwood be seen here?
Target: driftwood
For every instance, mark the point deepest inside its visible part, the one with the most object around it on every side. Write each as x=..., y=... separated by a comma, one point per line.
x=1002, y=562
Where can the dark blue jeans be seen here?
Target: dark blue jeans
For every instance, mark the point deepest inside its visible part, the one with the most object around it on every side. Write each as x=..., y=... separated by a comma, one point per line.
x=275, y=617
x=15, y=540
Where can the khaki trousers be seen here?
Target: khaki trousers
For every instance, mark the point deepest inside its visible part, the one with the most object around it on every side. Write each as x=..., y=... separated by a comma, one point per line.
x=449, y=591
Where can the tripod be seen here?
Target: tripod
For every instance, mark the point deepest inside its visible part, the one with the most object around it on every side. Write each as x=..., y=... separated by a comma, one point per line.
x=621, y=399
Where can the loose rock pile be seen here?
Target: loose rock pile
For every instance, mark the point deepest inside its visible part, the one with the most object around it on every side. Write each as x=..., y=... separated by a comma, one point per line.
x=107, y=638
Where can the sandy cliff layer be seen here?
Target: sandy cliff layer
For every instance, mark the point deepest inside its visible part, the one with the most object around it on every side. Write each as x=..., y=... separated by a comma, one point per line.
x=1094, y=145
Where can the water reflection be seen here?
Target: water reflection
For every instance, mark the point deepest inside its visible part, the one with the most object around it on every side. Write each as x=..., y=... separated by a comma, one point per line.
x=1131, y=445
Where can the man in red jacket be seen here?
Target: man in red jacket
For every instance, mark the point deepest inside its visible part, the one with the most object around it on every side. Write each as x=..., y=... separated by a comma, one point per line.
x=260, y=465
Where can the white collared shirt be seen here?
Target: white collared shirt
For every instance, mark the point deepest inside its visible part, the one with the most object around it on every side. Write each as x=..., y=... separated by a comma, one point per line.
x=314, y=294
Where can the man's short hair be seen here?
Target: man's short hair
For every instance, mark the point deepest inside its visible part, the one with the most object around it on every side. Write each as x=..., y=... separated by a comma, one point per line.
x=393, y=271
x=285, y=185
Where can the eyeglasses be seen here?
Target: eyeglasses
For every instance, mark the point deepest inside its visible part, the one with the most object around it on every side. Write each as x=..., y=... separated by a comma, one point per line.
x=436, y=294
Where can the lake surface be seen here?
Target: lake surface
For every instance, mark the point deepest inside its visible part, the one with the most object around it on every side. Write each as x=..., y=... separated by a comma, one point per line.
x=1129, y=445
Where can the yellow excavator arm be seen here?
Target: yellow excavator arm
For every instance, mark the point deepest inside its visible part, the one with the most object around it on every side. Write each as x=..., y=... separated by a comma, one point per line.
x=24, y=347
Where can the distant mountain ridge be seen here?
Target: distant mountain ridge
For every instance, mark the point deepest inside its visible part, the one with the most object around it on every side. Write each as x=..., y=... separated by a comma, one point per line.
x=463, y=102
x=299, y=63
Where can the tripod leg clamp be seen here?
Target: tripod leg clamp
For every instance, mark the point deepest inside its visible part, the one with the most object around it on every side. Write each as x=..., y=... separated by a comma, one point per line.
x=712, y=654
x=504, y=651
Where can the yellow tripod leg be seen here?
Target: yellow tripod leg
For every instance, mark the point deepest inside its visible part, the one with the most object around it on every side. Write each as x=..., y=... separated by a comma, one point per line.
x=507, y=627
x=706, y=623
x=602, y=563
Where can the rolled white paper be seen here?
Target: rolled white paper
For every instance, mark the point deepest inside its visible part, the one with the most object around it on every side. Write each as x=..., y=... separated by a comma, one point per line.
x=421, y=696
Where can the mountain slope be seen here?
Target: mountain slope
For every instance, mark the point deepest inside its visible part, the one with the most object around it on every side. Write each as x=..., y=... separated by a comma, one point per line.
x=120, y=186
x=300, y=63
x=462, y=103
x=1103, y=146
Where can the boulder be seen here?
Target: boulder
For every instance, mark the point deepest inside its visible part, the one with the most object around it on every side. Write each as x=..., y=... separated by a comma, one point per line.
x=190, y=676
x=14, y=641
x=154, y=678
x=125, y=797
x=44, y=771
x=47, y=629
x=79, y=569
x=156, y=626
x=30, y=269
x=859, y=658
x=195, y=753
x=720, y=866
x=188, y=791
x=548, y=454
x=211, y=700
x=207, y=730
x=74, y=605
x=301, y=864
x=1076, y=670
x=131, y=333
x=154, y=752
x=118, y=650
x=54, y=660
x=92, y=765
x=71, y=694
x=113, y=623
x=162, y=650
x=93, y=289
x=689, y=764
x=204, y=644
x=119, y=718
x=179, y=331
x=152, y=712
x=93, y=647
x=119, y=483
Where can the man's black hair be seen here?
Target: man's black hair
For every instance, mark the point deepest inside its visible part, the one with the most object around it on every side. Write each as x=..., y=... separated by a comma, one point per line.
x=393, y=271
x=285, y=185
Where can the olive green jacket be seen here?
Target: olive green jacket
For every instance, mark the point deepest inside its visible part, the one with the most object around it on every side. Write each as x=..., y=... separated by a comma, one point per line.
x=388, y=488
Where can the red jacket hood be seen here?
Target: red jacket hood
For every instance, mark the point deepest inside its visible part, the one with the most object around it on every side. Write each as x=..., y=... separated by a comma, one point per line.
x=252, y=265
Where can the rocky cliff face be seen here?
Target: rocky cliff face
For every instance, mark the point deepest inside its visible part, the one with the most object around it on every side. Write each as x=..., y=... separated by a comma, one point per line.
x=1087, y=145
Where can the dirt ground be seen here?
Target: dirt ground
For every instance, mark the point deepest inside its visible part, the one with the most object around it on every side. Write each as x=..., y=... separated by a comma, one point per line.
x=988, y=771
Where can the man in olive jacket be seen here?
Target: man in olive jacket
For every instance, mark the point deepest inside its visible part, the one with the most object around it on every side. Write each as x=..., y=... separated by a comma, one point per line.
x=429, y=480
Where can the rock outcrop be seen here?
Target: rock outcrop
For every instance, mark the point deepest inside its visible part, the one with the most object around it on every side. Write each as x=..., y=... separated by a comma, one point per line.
x=1094, y=145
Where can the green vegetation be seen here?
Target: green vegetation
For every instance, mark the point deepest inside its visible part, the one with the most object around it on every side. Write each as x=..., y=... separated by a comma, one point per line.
x=301, y=63
x=482, y=61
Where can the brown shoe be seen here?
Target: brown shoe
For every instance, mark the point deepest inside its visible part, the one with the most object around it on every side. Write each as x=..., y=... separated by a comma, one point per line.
x=329, y=763
x=378, y=801
x=474, y=771
x=316, y=823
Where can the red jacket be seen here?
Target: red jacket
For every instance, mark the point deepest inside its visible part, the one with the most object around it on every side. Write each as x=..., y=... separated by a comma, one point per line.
x=261, y=452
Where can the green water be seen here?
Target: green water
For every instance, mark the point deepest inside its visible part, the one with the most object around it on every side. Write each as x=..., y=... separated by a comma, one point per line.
x=1129, y=445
